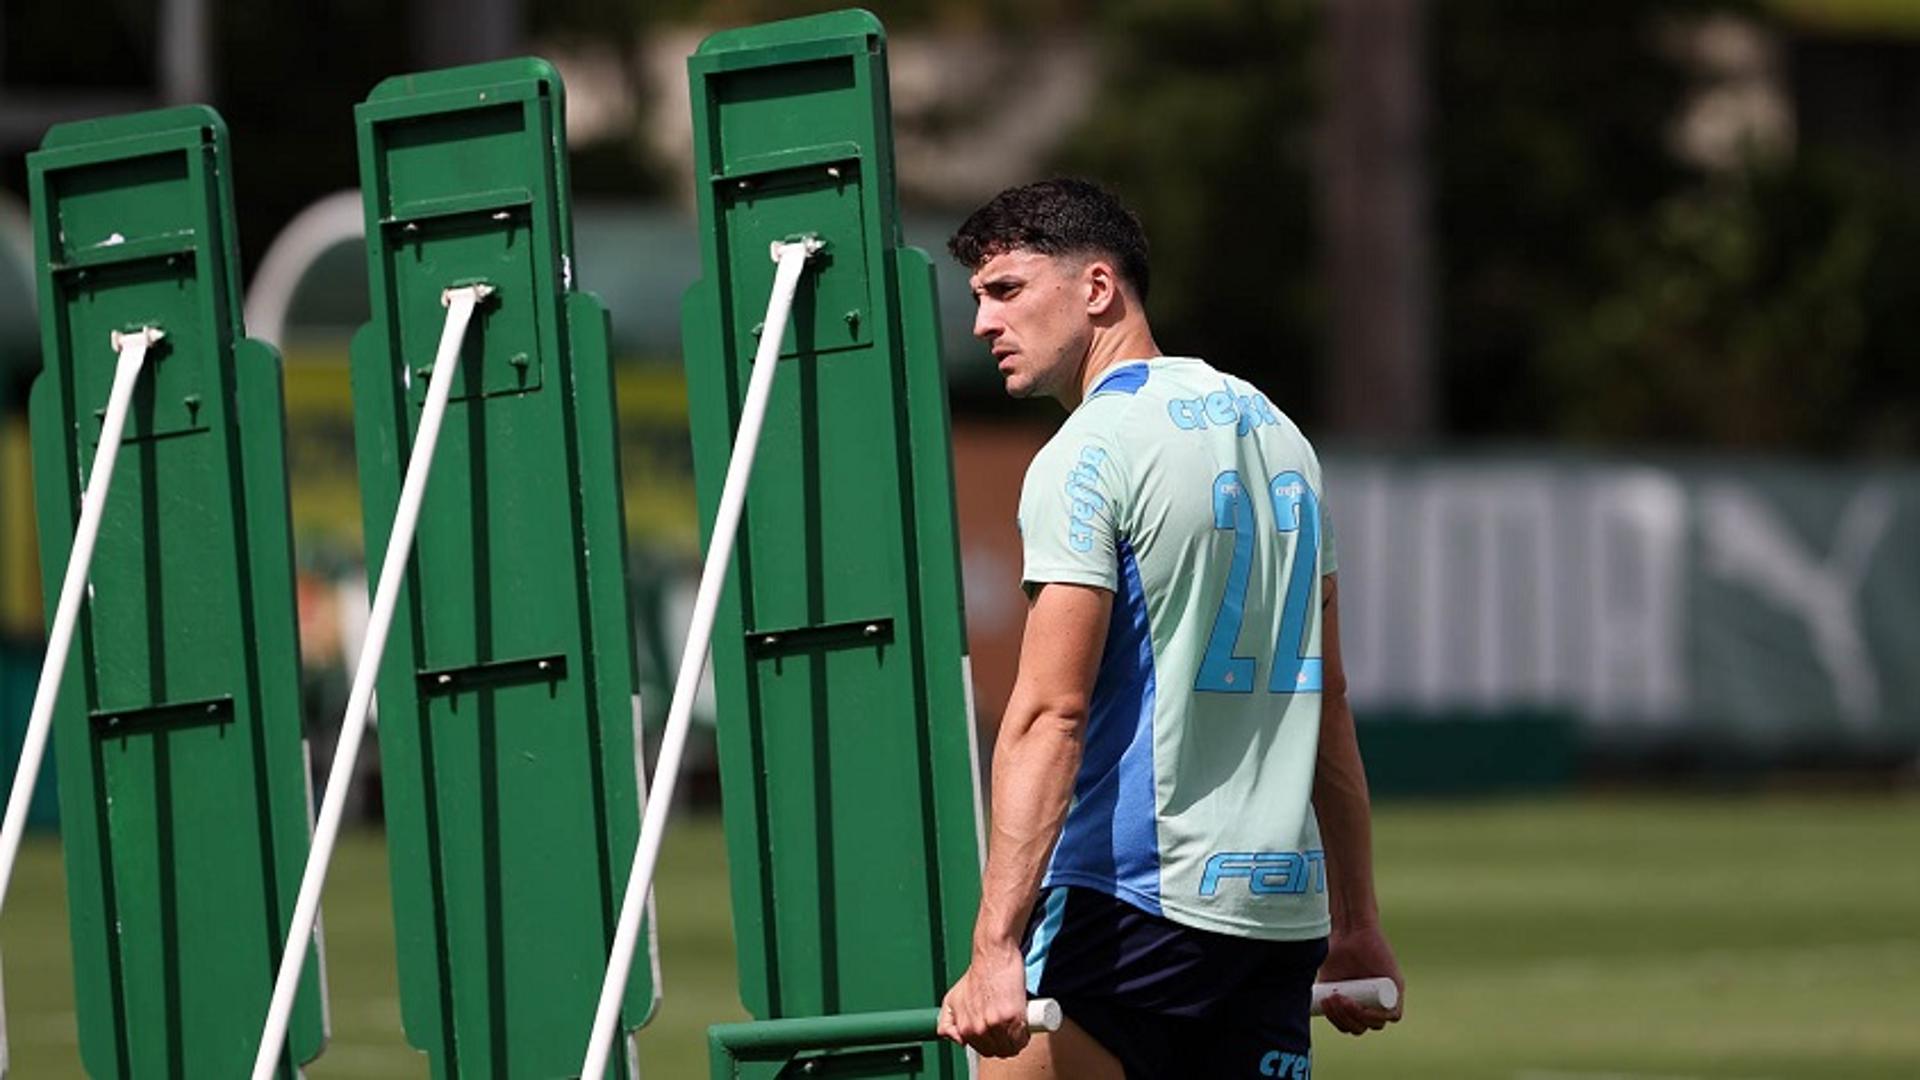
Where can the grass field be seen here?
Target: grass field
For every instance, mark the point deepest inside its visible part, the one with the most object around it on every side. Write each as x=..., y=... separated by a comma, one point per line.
x=1570, y=939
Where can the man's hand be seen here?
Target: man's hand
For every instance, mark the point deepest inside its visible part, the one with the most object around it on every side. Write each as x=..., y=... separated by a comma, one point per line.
x=1360, y=953
x=987, y=1008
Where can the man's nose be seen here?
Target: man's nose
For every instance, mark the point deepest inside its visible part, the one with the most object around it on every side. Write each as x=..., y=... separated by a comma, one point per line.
x=986, y=324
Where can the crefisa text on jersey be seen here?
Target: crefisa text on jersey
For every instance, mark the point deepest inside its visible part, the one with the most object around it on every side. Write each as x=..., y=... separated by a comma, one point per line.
x=1221, y=408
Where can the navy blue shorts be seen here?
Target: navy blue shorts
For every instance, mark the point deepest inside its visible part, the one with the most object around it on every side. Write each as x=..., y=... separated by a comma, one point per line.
x=1171, y=1001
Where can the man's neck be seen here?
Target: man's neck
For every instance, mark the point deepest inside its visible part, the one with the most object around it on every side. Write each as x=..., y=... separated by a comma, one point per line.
x=1107, y=350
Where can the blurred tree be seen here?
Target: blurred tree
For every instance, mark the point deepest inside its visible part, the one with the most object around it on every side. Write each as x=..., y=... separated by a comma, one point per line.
x=289, y=78
x=1595, y=287
x=1586, y=281
x=1374, y=227
x=1548, y=134
x=1590, y=284
x=1550, y=142
x=1205, y=127
x=119, y=53
x=1765, y=310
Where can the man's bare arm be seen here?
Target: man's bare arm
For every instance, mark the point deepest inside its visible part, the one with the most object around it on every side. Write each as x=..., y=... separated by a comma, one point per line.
x=1035, y=758
x=1037, y=753
x=1357, y=947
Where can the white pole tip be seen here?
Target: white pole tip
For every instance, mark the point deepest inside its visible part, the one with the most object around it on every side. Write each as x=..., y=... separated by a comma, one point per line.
x=1379, y=992
x=150, y=333
x=811, y=243
x=480, y=290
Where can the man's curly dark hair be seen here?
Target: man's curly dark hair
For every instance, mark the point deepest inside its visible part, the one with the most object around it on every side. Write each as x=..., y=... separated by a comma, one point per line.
x=1062, y=216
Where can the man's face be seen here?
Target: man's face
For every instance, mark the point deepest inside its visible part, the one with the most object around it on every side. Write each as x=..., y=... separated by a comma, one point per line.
x=1033, y=316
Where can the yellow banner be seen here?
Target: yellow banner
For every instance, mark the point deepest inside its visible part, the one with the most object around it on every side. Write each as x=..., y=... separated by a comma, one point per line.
x=656, y=460
x=19, y=570
x=656, y=465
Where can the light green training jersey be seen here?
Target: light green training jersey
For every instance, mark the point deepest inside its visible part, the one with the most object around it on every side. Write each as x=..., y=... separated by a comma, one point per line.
x=1198, y=504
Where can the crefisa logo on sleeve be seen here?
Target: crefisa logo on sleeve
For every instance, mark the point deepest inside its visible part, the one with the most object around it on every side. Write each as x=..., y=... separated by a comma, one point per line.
x=1084, y=497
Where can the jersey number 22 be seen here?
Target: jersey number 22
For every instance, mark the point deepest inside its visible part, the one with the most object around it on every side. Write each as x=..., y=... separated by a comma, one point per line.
x=1295, y=509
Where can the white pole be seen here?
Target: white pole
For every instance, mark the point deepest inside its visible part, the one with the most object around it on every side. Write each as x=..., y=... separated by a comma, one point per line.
x=460, y=304
x=792, y=259
x=93, y=502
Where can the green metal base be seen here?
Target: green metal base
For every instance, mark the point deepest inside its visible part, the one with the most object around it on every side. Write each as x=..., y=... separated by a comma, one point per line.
x=899, y=1043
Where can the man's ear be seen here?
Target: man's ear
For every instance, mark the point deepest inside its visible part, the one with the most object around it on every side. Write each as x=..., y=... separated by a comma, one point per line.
x=1103, y=287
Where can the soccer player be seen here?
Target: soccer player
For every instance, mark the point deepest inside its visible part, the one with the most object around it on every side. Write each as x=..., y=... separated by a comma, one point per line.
x=1181, y=835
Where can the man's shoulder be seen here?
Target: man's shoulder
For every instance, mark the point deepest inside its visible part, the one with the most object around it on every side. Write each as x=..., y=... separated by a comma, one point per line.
x=1078, y=441
x=1100, y=420
x=1118, y=408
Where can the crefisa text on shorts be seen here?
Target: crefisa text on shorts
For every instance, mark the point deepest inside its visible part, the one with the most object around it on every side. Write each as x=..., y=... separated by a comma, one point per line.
x=1290, y=1066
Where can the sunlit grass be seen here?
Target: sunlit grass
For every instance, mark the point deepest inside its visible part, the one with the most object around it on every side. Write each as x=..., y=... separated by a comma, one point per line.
x=1575, y=939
